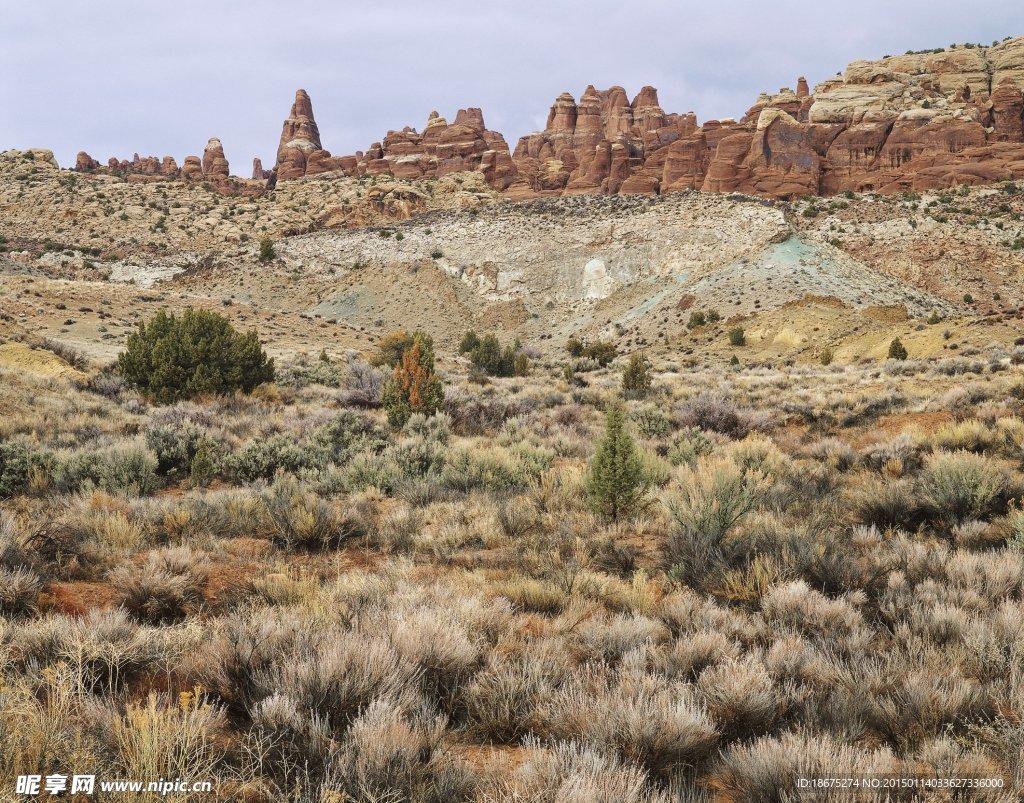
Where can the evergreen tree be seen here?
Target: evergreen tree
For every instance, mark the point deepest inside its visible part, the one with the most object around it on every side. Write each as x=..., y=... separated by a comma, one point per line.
x=174, y=358
x=897, y=351
x=616, y=483
x=413, y=387
x=636, y=377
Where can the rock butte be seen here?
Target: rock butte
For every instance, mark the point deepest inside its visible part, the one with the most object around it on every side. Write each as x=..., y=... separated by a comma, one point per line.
x=915, y=122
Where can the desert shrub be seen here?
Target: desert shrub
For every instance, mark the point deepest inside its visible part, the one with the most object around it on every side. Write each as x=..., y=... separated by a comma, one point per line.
x=264, y=457
x=126, y=468
x=267, y=252
x=105, y=649
x=887, y=503
x=577, y=771
x=388, y=755
x=713, y=413
x=616, y=484
x=469, y=342
x=651, y=422
x=163, y=736
x=897, y=351
x=297, y=518
x=697, y=318
x=166, y=588
x=600, y=351
x=714, y=495
x=175, y=445
x=970, y=436
x=205, y=463
x=636, y=377
x=962, y=486
x=494, y=470
x=474, y=414
x=662, y=728
x=687, y=446
x=363, y=385
x=173, y=358
x=344, y=435
x=737, y=336
x=16, y=464
x=413, y=386
x=766, y=770
x=19, y=591
x=741, y=698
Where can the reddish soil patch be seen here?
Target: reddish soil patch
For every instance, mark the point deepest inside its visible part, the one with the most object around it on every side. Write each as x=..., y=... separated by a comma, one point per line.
x=78, y=598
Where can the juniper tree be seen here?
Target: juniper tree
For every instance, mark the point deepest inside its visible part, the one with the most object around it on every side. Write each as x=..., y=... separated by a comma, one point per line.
x=616, y=483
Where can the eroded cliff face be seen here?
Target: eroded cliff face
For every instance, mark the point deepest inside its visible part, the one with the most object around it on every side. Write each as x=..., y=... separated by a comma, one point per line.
x=913, y=122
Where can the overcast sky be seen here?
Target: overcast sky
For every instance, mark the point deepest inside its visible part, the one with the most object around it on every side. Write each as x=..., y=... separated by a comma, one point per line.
x=113, y=77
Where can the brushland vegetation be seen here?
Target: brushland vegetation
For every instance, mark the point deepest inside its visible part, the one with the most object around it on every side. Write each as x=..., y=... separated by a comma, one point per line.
x=392, y=582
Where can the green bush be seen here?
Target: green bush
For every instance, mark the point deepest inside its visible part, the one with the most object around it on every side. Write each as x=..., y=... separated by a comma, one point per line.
x=175, y=358
x=128, y=469
x=737, y=337
x=897, y=351
x=636, y=377
x=489, y=356
x=261, y=459
x=267, y=252
x=616, y=484
x=469, y=342
x=697, y=318
x=16, y=463
x=963, y=486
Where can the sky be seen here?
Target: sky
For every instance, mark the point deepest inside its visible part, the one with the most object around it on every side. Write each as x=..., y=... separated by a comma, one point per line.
x=115, y=77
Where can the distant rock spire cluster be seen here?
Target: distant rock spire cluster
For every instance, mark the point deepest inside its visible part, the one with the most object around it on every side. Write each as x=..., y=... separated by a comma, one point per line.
x=913, y=122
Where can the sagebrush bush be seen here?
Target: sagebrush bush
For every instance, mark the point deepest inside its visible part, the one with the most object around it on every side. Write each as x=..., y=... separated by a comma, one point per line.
x=173, y=358
x=962, y=486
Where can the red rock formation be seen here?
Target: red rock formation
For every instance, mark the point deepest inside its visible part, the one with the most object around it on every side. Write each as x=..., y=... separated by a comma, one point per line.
x=918, y=121
x=215, y=166
x=85, y=162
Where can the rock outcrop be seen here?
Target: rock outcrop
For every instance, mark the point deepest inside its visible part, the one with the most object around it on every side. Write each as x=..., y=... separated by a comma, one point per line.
x=466, y=144
x=913, y=122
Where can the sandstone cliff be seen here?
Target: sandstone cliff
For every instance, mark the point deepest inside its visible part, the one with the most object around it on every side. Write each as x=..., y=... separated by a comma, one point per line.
x=913, y=122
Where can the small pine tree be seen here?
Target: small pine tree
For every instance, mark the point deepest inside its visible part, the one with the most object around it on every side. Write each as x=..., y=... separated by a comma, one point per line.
x=267, y=252
x=737, y=337
x=897, y=351
x=636, y=377
x=413, y=387
x=616, y=483
x=204, y=463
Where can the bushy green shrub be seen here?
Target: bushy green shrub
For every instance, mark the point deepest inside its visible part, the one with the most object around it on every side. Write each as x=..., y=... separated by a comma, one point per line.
x=16, y=464
x=489, y=356
x=897, y=351
x=636, y=377
x=128, y=468
x=600, y=351
x=173, y=358
x=267, y=251
x=616, y=484
x=963, y=486
x=261, y=458
x=737, y=337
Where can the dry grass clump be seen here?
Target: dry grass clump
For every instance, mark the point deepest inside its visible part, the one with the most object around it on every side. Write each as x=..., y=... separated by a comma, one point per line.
x=166, y=588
